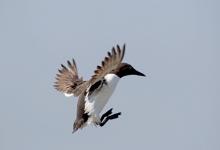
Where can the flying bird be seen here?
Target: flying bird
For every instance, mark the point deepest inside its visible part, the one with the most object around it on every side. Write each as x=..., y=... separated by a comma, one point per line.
x=94, y=93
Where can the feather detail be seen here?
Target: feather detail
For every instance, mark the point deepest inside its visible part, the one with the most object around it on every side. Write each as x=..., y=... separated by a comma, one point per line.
x=68, y=81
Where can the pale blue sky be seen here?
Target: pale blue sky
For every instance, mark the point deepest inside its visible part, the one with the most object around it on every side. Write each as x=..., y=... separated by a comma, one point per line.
x=174, y=42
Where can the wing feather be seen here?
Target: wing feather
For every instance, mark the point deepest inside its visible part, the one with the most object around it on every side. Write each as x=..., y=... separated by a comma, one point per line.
x=68, y=81
x=110, y=62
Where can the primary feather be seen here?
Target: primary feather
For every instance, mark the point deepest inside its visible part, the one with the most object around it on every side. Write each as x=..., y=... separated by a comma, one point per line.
x=68, y=80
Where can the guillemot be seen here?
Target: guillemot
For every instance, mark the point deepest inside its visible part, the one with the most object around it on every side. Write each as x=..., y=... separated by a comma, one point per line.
x=94, y=93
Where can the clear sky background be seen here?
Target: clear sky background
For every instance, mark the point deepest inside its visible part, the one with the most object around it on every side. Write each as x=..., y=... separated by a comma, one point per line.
x=175, y=42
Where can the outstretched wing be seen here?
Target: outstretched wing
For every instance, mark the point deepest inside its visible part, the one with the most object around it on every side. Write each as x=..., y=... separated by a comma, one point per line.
x=111, y=62
x=68, y=81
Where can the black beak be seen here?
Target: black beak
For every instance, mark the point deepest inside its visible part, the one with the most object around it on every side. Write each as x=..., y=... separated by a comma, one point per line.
x=135, y=72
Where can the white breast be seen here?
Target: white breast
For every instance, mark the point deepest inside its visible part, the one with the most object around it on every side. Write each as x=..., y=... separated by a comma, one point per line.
x=95, y=103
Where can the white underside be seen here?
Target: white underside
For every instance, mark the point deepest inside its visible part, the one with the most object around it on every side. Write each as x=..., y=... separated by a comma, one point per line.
x=68, y=95
x=96, y=102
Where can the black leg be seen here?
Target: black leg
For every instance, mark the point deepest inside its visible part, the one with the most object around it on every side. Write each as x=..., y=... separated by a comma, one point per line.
x=114, y=116
x=109, y=117
x=106, y=114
